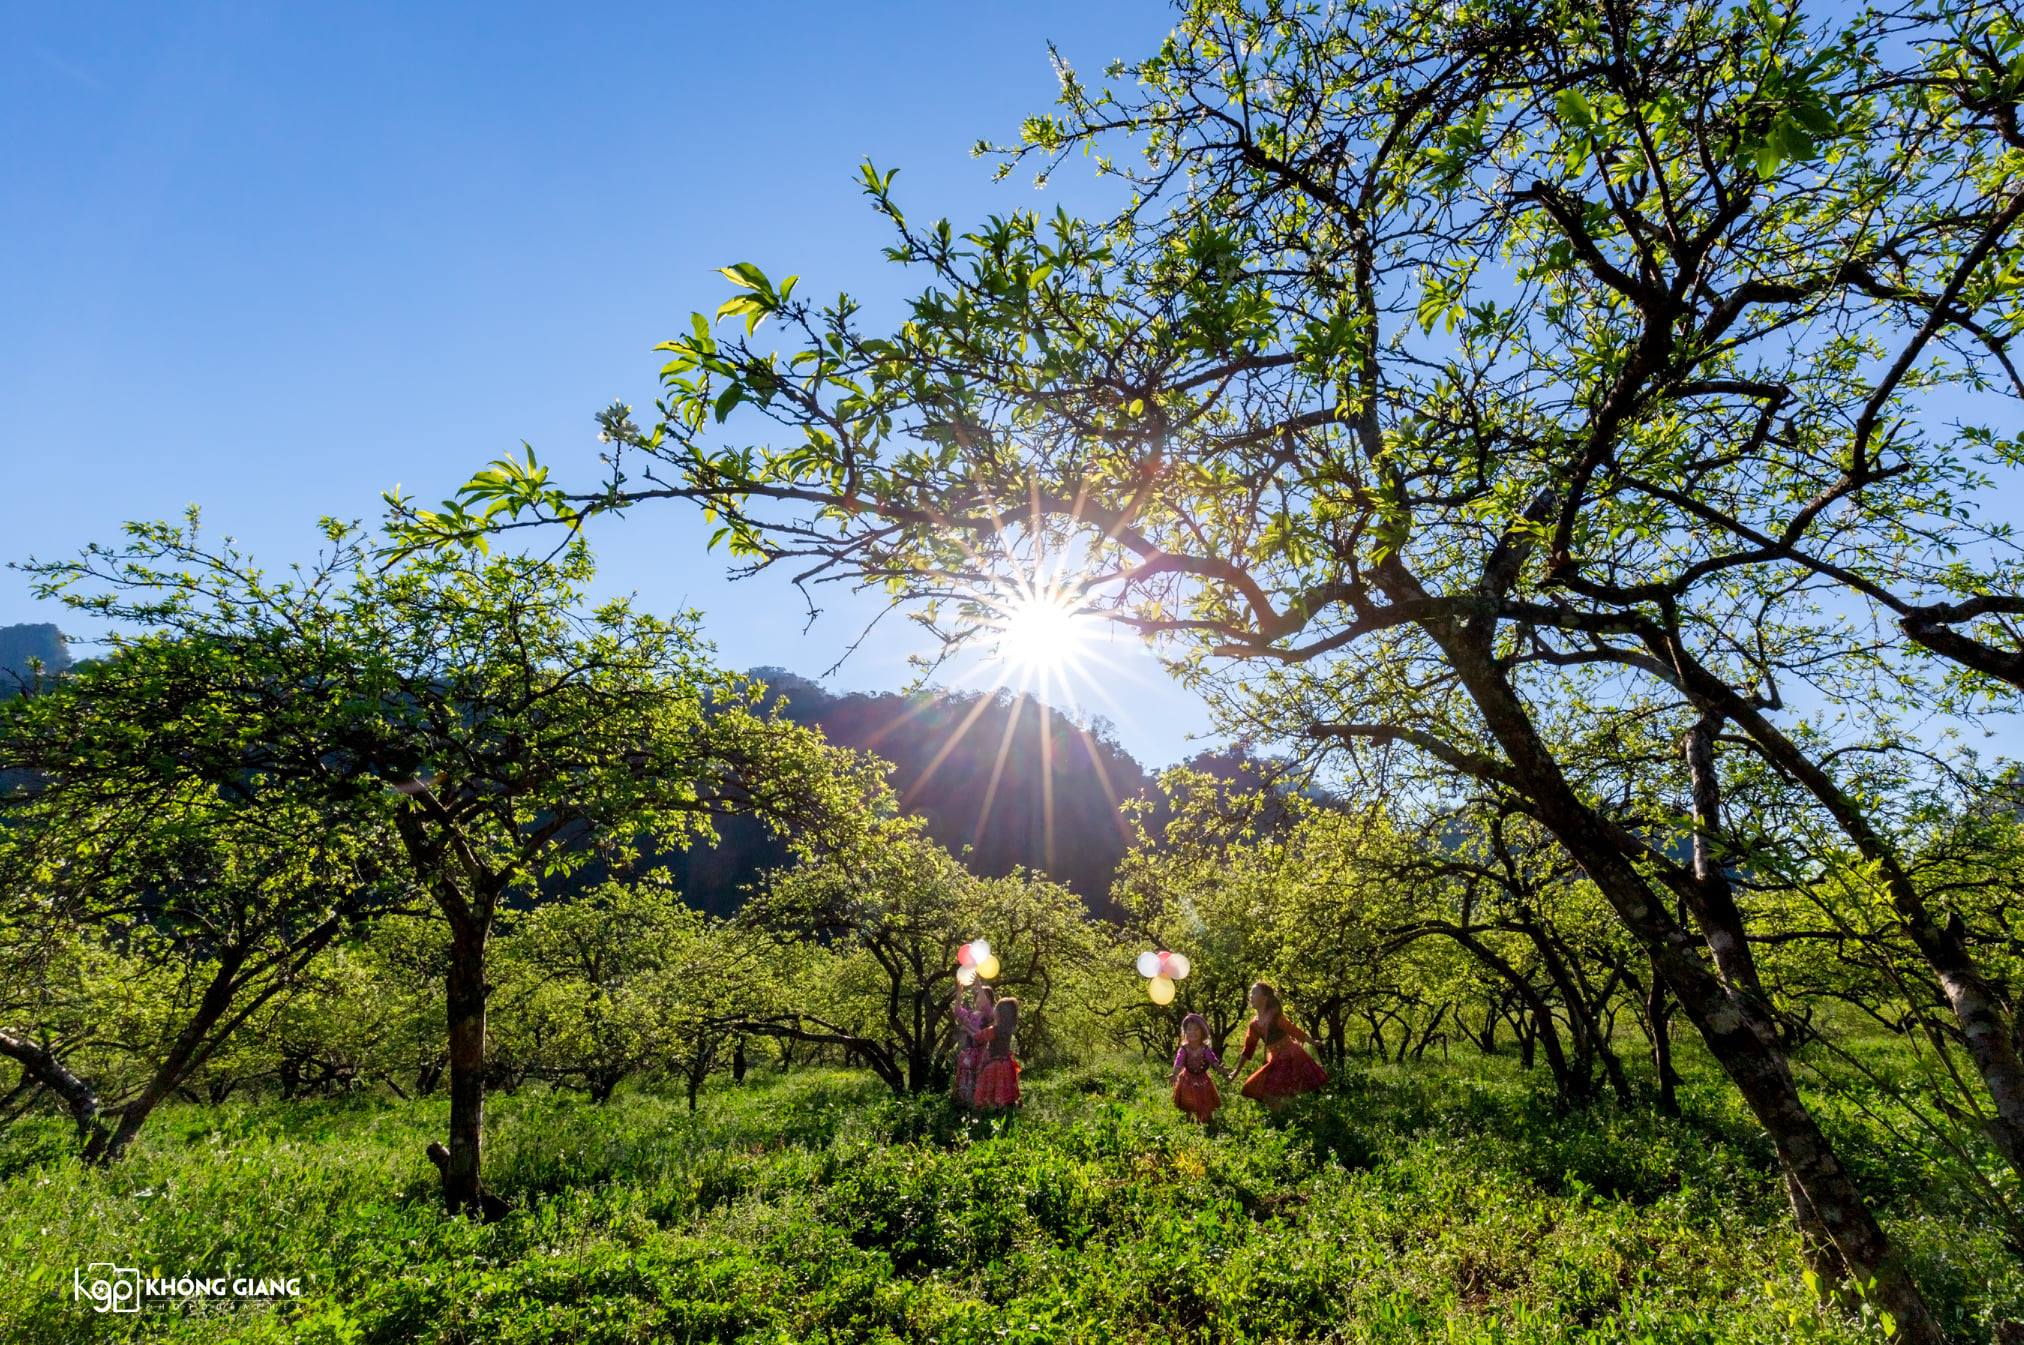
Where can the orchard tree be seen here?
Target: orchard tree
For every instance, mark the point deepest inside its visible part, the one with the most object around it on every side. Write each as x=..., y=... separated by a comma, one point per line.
x=137, y=821
x=369, y=1014
x=621, y=980
x=1524, y=387
x=1201, y=880
x=483, y=713
x=892, y=913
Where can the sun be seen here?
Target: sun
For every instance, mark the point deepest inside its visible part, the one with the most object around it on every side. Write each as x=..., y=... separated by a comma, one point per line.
x=1041, y=634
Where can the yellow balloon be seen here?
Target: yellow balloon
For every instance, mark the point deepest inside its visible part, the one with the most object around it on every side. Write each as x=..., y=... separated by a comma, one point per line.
x=987, y=966
x=1161, y=989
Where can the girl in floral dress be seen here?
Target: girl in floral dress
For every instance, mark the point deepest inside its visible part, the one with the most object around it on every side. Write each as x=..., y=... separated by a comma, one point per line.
x=998, y=1075
x=1194, y=1090
x=1288, y=1069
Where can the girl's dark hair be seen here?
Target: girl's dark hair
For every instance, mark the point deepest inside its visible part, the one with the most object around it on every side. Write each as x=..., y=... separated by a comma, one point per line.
x=1194, y=1020
x=1006, y=1019
x=1271, y=997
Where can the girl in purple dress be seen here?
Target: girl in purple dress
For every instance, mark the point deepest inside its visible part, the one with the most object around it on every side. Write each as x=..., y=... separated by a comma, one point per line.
x=970, y=1022
x=1194, y=1087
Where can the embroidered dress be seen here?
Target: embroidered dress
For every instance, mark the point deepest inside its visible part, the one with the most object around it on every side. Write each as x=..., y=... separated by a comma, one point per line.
x=1288, y=1069
x=998, y=1076
x=969, y=1053
x=1195, y=1090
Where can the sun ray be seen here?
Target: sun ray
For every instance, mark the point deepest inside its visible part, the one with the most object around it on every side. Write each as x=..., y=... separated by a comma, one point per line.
x=984, y=701
x=1005, y=741
x=1047, y=787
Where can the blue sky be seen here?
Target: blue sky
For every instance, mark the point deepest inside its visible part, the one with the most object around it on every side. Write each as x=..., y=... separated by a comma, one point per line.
x=274, y=260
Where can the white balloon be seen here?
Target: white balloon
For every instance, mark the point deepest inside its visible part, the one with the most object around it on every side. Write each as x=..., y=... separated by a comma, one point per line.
x=1178, y=966
x=1148, y=964
x=979, y=949
x=966, y=976
x=1161, y=989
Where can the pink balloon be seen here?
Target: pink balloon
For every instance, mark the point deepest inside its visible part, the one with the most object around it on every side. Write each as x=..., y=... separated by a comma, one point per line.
x=966, y=956
x=1166, y=963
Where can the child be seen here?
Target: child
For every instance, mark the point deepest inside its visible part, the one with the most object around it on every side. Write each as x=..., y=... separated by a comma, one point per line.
x=1194, y=1091
x=969, y=1050
x=998, y=1075
x=1288, y=1069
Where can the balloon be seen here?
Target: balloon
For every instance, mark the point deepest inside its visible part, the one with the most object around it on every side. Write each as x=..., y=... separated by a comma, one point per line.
x=966, y=956
x=1178, y=966
x=1148, y=964
x=1161, y=989
x=989, y=966
x=966, y=976
x=979, y=950
x=1166, y=963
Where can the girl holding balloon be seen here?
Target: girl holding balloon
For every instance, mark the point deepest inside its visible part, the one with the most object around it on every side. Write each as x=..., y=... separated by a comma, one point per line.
x=970, y=1022
x=1288, y=1069
x=975, y=963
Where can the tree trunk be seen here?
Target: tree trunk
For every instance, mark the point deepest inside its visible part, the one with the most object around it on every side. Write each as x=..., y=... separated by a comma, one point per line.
x=463, y=1182
x=1816, y=1243
x=430, y=1075
x=1658, y=1019
x=1433, y=1025
x=39, y=1063
x=181, y=1055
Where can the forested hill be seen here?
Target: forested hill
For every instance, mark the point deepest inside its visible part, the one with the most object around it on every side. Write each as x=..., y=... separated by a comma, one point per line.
x=986, y=772
x=21, y=647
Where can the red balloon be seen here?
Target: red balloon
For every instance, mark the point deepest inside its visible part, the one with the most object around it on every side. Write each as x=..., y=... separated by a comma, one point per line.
x=1166, y=963
x=966, y=956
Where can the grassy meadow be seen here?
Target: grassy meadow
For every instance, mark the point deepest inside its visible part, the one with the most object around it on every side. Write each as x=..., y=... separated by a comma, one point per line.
x=1441, y=1202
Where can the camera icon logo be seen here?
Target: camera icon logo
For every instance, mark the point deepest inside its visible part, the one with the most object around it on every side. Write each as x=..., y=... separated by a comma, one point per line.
x=109, y=1288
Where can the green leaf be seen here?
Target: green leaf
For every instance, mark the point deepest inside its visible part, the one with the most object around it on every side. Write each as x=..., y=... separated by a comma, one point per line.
x=1573, y=108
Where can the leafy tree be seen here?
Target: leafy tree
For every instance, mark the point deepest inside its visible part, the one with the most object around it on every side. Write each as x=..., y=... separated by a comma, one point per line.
x=1202, y=881
x=893, y=913
x=370, y=1013
x=1356, y=916
x=1524, y=387
x=484, y=714
x=621, y=980
x=137, y=821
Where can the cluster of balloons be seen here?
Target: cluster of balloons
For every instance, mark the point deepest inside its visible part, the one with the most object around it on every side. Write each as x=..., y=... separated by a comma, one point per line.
x=975, y=962
x=1161, y=970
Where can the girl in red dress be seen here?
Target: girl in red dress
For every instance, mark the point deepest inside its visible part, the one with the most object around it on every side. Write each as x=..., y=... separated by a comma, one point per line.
x=1194, y=1091
x=1288, y=1069
x=998, y=1076
x=969, y=1052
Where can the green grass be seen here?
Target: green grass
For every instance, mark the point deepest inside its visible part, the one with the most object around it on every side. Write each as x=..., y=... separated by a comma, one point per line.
x=1444, y=1202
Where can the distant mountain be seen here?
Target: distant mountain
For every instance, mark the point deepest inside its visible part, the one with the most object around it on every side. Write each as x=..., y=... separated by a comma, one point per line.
x=1000, y=776
x=23, y=646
